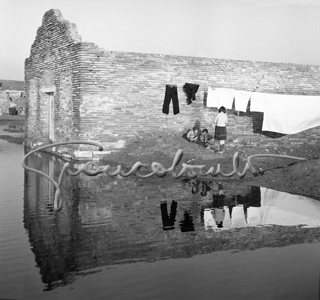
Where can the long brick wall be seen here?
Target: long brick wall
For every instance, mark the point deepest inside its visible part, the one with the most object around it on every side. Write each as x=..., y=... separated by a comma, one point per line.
x=113, y=97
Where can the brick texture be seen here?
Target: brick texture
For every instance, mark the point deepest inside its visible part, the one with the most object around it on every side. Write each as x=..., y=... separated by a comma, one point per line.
x=108, y=96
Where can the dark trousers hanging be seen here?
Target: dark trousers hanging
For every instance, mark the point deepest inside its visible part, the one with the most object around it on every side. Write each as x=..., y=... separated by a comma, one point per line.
x=171, y=93
x=190, y=90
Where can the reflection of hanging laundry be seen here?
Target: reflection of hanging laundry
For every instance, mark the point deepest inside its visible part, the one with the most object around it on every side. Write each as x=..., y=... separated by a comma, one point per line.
x=168, y=221
x=187, y=223
x=279, y=208
x=241, y=99
x=257, y=102
x=254, y=216
x=220, y=97
x=190, y=89
x=291, y=114
x=171, y=93
x=238, y=217
x=227, y=218
x=208, y=220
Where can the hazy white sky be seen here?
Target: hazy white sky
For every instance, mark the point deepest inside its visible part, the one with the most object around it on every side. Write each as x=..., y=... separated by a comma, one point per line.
x=259, y=30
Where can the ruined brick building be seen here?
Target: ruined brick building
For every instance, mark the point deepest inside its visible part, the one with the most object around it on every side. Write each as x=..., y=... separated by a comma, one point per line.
x=78, y=91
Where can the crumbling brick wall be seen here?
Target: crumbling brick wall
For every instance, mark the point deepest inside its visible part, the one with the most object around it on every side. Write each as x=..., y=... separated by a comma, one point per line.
x=52, y=67
x=110, y=97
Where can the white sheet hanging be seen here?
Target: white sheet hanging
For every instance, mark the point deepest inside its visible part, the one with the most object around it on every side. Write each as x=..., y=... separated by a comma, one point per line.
x=226, y=97
x=220, y=97
x=257, y=101
x=290, y=114
x=241, y=99
x=212, y=97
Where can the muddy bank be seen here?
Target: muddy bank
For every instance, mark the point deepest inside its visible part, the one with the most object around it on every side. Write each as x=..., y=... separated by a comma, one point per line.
x=287, y=175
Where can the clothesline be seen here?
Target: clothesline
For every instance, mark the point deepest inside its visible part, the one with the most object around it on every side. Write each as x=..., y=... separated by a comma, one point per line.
x=286, y=114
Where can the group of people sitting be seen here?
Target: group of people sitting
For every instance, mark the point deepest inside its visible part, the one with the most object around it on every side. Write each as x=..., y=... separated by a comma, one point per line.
x=203, y=138
x=200, y=137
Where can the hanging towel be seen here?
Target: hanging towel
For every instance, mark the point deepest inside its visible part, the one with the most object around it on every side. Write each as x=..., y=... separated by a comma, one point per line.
x=190, y=89
x=241, y=100
x=290, y=114
x=213, y=97
x=257, y=102
x=226, y=97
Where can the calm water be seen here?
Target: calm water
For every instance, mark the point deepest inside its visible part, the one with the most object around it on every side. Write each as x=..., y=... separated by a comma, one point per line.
x=124, y=238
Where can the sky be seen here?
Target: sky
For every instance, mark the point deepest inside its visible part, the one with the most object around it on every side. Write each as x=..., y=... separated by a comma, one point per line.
x=282, y=31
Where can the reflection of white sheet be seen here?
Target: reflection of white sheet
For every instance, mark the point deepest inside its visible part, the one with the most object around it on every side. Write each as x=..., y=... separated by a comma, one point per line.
x=280, y=208
x=209, y=222
x=290, y=114
x=227, y=219
x=238, y=217
x=254, y=216
x=241, y=100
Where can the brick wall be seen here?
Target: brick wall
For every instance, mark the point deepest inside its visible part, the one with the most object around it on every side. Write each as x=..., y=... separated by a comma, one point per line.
x=53, y=65
x=111, y=97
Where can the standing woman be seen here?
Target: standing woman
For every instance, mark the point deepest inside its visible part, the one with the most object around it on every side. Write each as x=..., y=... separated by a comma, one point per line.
x=220, y=123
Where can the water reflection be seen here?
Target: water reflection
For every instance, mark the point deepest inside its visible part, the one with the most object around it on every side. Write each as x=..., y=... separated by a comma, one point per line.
x=106, y=221
x=168, y=220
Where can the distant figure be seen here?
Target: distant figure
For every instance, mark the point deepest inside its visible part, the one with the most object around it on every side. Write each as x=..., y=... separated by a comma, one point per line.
x=220, y=123
x=12, y=107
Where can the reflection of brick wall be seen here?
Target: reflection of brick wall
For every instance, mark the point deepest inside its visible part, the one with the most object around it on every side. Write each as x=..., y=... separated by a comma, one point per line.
x=109, y=96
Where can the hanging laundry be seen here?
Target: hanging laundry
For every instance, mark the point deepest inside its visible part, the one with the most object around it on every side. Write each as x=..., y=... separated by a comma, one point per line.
x=257, y=101
x=212, y=97
x=171, y=93
x=290, y=114
x=220, y=97
x=226, y=97
x=241, y=99
x=190, y=89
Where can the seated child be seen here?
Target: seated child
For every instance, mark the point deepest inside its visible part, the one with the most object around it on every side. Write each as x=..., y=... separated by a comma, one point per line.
x=192, y=135
x=206, y=138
